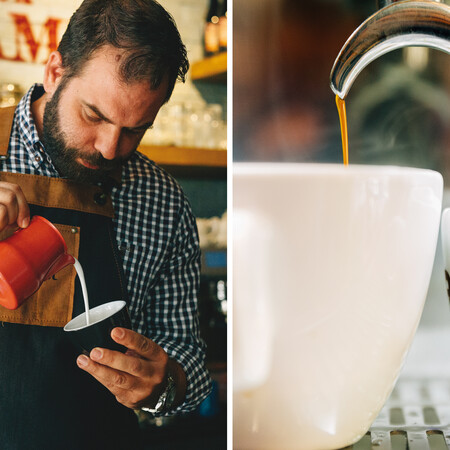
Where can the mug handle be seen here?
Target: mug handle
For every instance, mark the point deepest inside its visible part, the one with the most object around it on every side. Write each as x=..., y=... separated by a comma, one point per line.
x=445, y=238
x=253, y=315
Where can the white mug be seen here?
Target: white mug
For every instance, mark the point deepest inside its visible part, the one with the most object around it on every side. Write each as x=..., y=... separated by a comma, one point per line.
x=445, y=240
x=331, y=266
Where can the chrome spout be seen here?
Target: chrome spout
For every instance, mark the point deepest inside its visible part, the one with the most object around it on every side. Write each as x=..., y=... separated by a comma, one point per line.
x=407, y=23
x=383, y=3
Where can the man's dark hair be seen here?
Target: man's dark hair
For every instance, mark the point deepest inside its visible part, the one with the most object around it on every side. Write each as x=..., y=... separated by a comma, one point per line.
x=143, y=28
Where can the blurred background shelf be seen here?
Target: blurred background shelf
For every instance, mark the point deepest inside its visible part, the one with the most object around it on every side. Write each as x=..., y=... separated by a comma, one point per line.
x=185, y=156
x=211, y=69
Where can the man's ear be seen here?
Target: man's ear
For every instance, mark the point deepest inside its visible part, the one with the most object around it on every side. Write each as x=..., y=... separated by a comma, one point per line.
x=53, y=73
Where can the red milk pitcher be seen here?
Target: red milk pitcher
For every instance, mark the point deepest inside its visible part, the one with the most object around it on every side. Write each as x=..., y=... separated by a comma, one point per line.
x=28, y=258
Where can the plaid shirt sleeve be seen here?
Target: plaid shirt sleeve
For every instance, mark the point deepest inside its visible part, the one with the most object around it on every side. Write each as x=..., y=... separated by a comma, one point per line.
x=174, y=324
x=158, y=238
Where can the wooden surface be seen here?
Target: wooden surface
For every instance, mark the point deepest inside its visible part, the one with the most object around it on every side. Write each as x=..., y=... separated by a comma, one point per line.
x=212, y=69
x=183, y=156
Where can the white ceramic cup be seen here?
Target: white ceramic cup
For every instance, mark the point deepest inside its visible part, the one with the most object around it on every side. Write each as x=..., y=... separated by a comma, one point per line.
x=102, y=320
x=445, y=240
x=331, y=266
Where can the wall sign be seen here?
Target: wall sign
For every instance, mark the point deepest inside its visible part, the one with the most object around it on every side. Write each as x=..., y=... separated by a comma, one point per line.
x=29, y=31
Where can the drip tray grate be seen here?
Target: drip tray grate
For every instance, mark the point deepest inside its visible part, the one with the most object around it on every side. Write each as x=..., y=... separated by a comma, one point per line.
x=415, y=417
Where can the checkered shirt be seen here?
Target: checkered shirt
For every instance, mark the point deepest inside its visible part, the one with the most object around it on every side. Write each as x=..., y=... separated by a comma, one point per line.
x=157, y=237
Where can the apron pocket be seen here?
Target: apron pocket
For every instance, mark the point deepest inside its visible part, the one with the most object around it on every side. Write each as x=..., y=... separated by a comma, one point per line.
x=52, y=304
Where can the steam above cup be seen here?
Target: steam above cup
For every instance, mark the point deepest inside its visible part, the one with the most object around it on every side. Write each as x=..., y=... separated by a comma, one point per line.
x=28, y=258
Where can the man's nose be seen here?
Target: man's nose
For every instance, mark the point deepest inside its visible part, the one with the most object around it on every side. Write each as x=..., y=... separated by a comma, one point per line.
x=107, y=141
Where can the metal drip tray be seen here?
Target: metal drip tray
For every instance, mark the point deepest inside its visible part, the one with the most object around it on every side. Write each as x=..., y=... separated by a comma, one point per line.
x=416, y=417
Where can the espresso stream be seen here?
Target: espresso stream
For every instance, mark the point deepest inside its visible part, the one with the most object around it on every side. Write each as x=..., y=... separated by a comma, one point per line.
x=80, y=274
x=340, y=103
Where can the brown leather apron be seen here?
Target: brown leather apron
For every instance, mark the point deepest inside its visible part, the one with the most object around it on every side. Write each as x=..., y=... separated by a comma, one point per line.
x=46, y=401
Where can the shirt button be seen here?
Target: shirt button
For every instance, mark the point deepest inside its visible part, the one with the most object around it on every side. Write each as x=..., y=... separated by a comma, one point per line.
x=100, y=198
x=37, y=158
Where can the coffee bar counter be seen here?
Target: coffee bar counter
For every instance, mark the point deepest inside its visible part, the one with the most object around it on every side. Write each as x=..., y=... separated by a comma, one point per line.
x=185, y=156
x=417, y=413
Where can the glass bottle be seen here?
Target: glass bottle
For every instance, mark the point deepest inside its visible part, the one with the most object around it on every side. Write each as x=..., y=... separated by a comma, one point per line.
x=211, y=30
x=223, y=26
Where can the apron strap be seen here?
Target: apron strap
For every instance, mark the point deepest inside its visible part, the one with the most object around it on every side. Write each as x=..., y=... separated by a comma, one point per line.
x=62, y=193
x=6, y=120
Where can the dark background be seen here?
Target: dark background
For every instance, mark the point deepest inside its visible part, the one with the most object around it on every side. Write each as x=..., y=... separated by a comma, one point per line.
x=284, y=110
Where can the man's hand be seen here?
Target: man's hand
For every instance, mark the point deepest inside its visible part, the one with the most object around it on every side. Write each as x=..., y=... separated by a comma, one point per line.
x=14, y=211
x=136, y=378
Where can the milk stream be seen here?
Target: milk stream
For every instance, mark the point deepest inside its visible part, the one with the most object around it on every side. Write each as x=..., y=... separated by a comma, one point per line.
x=80, y=274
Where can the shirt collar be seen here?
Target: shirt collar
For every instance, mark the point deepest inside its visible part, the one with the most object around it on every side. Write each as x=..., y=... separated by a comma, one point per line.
x=27, y=128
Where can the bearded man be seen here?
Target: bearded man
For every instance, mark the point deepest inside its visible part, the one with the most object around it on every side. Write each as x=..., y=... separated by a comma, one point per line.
x=71, y=157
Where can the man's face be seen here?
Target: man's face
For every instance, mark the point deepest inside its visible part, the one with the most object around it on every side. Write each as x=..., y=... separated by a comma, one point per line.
x=94, y=122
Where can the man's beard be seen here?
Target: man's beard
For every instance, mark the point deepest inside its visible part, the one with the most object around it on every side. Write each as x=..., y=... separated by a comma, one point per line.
x=63, y=156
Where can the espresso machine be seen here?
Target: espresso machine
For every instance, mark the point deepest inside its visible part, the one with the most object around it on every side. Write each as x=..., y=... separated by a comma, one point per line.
x=417, y=414
x=396, y=25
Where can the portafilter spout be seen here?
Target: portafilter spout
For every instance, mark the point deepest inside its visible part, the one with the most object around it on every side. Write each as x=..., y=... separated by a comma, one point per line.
x=399, y=24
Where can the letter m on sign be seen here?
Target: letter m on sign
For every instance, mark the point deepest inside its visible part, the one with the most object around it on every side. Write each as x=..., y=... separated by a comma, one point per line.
x=26, y=38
